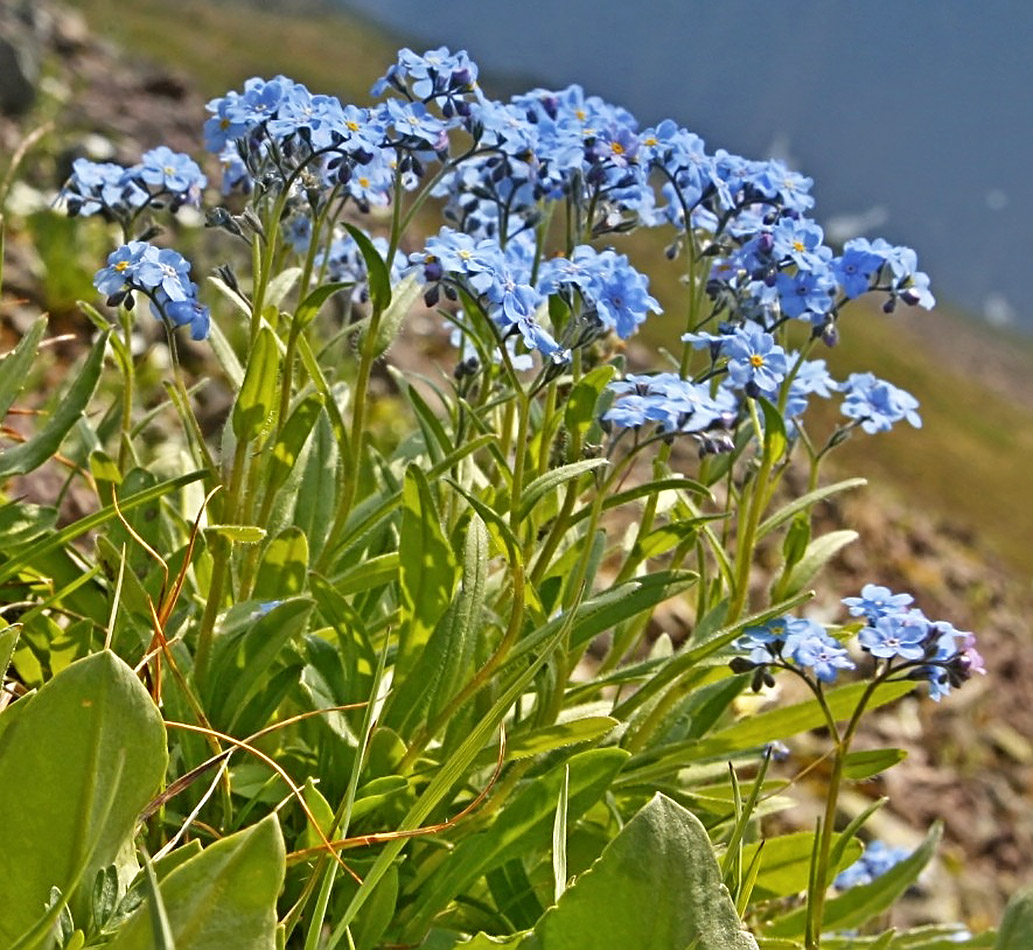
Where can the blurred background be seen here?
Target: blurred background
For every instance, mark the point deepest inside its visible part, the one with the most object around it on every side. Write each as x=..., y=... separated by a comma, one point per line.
x=915, y=121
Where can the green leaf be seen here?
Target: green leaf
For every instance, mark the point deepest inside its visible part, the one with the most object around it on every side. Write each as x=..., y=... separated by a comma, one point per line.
x=483, y=941
x=774, y=431
x=280, y=285
x=21, y=522
x=370, y=574
x=376, y=269
x=819, y=552
x=8, y=640
x=862, y=902
x=244, y=655
x=292, y=437
x=14, y=367
x=41, y=447
x=656, y=886
x=1016, y=931
x=426, y=567
x=796, y=540
x=580, y=411
x=558, y=736
x=552, y=480
x=238, y=533
x=317, y=490
x=675, y=483
x=234, y=297
x=321, y=811
x=253, y=409
x=284, y=567
x=222, y=899
x=225, y=355
x=447, y=661
x=57, y=539
x=161, y=929
x=559, y=838
x=522, y=826
x=403, y=296
x=378, y=912
x=605, y=610
x=917, y=938
x=310, y=306
x=865, y=764
x=761, y=728
x=805, y=502
x=785, y=862
x=77, y=766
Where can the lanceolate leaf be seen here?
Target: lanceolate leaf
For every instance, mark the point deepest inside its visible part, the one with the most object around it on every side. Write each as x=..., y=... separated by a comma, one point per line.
x=57, y=539
x=806, y=501
x=403, y=296
x=819, y=552
x=253, y=409
x=656, y=886
x=756, y=730
x=862, y=902
x=243, y=660
x=553, y=479
x=1016, y=931
x=785, y=862
x=14, y=368
x=447, y=661
x=309, y=307
x=42, y=446
x=376, y=269
x=426, y=564
x=222, y=899
x=870, y=762
x=8, y=639
x=525, y=824
x=293, y=435
x=77, y=765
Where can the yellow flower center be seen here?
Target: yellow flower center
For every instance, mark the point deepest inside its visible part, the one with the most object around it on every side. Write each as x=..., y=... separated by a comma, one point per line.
x=465, y=254
x=798, y=246
x=756, y=361
x=122, y=266
x=352, y=125
x=616, y=148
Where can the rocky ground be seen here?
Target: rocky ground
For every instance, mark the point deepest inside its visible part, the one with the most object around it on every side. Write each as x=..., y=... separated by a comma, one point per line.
x=970, y=757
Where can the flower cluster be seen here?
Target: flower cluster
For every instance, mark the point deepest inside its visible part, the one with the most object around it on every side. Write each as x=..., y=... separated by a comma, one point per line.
x=514, y=158
x=791, y=643
x=161, y=274
x=276, y=135
x=903, y=637
x=876, y=404
x=161, y=178
x=674, y=405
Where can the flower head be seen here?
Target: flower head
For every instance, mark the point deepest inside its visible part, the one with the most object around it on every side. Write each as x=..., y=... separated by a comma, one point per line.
x=756, y=363
x=877, y=405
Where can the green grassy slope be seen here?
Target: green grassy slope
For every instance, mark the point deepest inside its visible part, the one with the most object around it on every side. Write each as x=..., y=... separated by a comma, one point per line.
x=972, y=460
x=222, y=43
